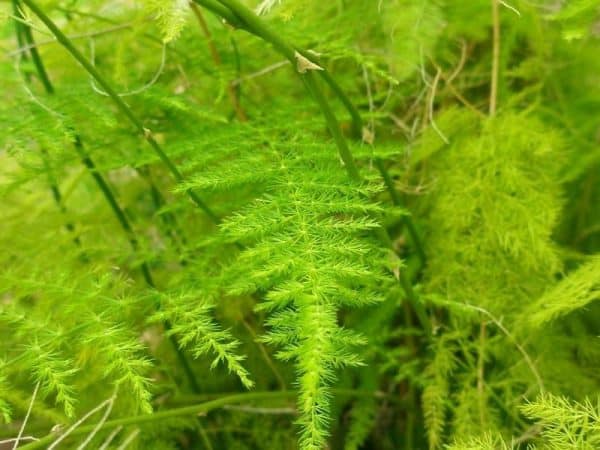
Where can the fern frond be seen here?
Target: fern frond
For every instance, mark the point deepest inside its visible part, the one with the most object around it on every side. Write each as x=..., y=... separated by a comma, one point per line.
x=566, y=424
x=194, y=325
x=303, y=247
x=54, y=373
x=486, y=442
x=123, y=360
x=435, y=398
x=170, y=16
x=575, y=291
x=5, y=408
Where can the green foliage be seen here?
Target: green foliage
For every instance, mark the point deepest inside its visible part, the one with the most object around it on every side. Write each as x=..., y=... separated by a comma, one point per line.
x=573, y=292
x=207, y=246
x=170, y=16
x=566, y=424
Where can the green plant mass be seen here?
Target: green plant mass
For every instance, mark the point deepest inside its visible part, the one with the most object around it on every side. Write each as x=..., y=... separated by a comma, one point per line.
x=300, y=224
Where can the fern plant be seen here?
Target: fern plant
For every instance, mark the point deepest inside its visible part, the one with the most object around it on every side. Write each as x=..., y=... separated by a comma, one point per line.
x=289, y=224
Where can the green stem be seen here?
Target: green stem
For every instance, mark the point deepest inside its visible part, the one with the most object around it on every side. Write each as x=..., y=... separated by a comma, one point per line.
x=121, y=105
x=118, y=212
x=341, y=392
x=172, y=229
x=166, y=415
x=221, y=11
x=33, y=51
x=334, y=127
x=407, y=221
x=241, y=17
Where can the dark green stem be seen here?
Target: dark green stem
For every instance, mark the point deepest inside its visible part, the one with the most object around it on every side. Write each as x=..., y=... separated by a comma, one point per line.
x=33, y=51
x=133, y=241
x=121, y=105
x=118, y=212
x=221, y=11
x=333, y=125
x=341, y=392
x=172, y=228
x=406, y=220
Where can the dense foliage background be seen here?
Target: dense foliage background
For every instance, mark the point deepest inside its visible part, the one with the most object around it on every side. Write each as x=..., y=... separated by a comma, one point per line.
x=308, y=224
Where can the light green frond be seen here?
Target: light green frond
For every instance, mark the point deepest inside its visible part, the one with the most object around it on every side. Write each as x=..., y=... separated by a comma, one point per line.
x=170, y=15
x=573, y=292
x=195, y=328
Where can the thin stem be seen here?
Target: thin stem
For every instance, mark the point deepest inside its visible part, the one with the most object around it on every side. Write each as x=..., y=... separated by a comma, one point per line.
x=33, y=51
x=166, y=415
x=265, y=354
x=216, y=57
x=121, y=105
x=411, y=394
x=415, y=303
x=172, y=228
x=334, y=126
x=114, y=206
x=357, y=393
x=495, y=56
x=18, y=25
x=26, y=419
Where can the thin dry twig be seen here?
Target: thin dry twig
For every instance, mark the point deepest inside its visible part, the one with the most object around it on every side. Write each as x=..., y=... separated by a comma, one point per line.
x=21, y=439
x=448, y=83
x=269, y=68
x=461, y=63
x=99, y=425
x=24, y=424
x=110, y=438
x=129, y=439
x=511, y=337
x=481, y=374
x=139, y=90
x=80, y=421
x=434, y=85
x=90, y=34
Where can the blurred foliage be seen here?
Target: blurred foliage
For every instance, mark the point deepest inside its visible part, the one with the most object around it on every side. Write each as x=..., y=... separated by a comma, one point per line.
x=445, y=296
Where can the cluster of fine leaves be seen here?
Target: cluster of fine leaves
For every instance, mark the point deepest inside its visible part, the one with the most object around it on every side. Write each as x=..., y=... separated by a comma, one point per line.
x=280, y=224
